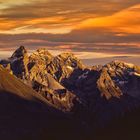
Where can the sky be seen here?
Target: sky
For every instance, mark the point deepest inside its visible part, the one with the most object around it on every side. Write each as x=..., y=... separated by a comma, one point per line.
x=91, y=29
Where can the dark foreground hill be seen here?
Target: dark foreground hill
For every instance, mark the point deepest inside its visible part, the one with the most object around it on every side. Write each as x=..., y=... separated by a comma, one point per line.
x=56, y=97
x=25, y=114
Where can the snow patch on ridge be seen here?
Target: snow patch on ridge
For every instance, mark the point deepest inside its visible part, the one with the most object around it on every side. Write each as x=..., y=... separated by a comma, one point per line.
x=83, y=76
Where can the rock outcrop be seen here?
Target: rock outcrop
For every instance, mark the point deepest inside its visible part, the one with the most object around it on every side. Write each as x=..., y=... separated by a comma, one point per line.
x=63, y=65
x=33, y=71
x=107, y=87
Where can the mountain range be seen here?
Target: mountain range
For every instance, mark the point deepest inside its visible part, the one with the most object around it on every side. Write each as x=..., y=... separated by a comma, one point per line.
x=58, y=97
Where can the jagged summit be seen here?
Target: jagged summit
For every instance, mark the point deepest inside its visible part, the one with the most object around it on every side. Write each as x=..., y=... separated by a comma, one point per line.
x=41, y=55
x=42, y=52
x=121, y=70
x=69, y=59
x=67, y=56
x=63, y=65
x=118, y=63
x=20, y=52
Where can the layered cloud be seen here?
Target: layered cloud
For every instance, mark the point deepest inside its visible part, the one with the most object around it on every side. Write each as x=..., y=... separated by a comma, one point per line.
x=125, y=21
x=106, y=27
x=111, y=45
x=54, y=16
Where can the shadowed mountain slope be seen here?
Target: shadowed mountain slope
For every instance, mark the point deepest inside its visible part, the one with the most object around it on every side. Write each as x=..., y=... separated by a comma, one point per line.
x=25, y=114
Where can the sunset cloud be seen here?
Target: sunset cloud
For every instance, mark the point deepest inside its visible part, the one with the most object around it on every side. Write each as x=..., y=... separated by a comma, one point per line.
x=102, y=27
x=126, y=21
x=54, y=16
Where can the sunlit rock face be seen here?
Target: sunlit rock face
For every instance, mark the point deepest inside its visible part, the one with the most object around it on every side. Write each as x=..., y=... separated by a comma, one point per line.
x=125, y=76
x=63, y=65
x=33, y=71
x=41, y=56
x=107, y=86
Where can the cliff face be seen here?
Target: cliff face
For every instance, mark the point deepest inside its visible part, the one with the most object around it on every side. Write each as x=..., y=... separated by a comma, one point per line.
x=63, y=65
x=107, y=87
x=33, y=71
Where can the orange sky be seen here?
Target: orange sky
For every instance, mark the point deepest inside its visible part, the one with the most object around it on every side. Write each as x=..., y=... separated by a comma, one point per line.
x=125, y=21
x=102, y=26
x=15, y=20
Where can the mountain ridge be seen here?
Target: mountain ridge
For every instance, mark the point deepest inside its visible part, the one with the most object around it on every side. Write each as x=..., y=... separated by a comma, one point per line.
x=95, y=96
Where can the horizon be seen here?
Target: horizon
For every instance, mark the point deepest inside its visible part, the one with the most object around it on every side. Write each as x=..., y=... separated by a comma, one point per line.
x=87, y=60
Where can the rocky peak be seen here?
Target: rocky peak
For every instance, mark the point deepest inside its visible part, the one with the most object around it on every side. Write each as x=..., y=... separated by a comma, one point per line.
x=125, y=77
x=20, y=52
x=18, y=62
x=120, y=65
x=41, y=56
x=63, y=65
x=70, y=59
x=119, y=71
x=42, y=52
x=107, y=86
